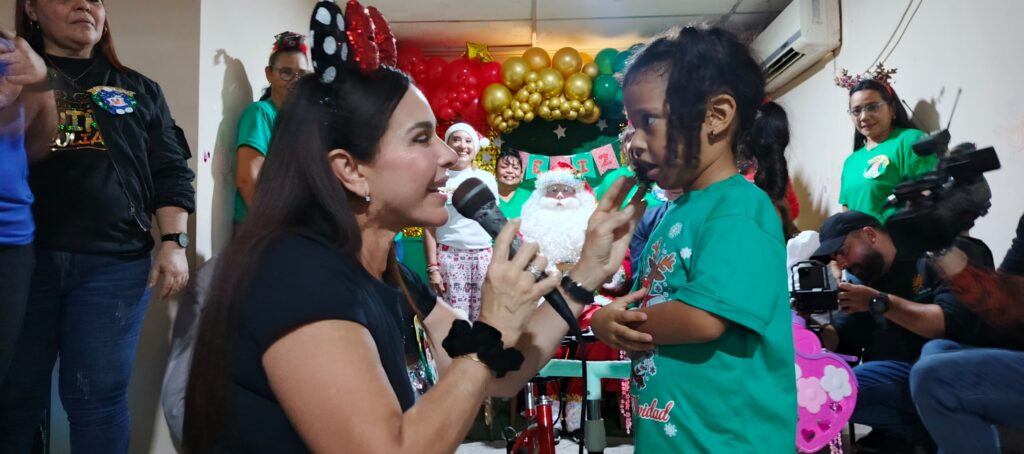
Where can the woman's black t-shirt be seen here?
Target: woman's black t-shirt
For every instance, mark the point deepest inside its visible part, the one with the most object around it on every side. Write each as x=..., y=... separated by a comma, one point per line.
x=299, y=280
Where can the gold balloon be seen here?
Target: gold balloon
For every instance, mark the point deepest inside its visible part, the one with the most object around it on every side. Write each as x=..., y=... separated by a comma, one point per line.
x=533, y=87
x=532, y=76
x=592, y=117
x=535, y=99
x=523, y=95
x=537, y=58
x=556, y=114
x=528, y=117
x=506, y=114
x=551, y=82
x=572, y=115
x=513, y=124
x=587, y=58
x=577, y=87
x=513, y=71
x=565, y=109
x=554, y=103
x=567, y=61
x=589, y=105
x=503, y=126
x=575, y=105
x=519, y=115
x=544, y=112
x=591, y=69
x=496, y=97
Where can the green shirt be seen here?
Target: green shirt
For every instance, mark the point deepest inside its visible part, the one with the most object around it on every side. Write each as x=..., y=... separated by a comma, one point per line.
x=514, y=206
x=254, y=129
x=720, y=250
x=869, y=175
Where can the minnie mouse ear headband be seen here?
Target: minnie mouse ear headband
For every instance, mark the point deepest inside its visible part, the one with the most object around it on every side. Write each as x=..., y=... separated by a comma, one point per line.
x=478, y=140
x=880, y=74
x=289, y=41
x=359, y=38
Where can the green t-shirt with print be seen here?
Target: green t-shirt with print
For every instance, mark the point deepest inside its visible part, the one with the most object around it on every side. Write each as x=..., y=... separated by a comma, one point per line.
x=254, y=130
x=869, y=175
x=514, y=206
x=721, y=250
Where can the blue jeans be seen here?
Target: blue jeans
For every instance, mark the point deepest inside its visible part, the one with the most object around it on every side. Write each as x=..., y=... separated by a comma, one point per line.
x=963, y=392
x=87, y=309
x=883, y=399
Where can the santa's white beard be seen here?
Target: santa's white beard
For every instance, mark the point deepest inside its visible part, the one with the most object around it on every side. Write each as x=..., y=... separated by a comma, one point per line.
x=558, y=226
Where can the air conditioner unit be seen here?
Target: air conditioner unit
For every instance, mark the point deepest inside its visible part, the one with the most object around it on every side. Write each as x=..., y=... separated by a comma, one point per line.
x=801, y=36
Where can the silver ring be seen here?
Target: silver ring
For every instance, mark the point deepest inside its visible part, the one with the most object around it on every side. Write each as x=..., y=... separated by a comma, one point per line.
x=534, y=270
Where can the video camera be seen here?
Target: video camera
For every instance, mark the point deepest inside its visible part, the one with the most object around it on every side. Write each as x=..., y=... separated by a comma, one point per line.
x=813, y=288
x=936, y=208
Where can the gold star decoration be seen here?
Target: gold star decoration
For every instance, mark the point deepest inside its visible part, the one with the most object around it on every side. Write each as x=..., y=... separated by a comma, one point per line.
x=478, y=51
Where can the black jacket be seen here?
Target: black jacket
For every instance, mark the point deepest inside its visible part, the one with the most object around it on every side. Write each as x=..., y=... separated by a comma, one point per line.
x=148, y=156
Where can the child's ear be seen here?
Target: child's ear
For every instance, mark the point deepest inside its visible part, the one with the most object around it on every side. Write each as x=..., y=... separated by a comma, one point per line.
x=348, y=171
x=721, y=112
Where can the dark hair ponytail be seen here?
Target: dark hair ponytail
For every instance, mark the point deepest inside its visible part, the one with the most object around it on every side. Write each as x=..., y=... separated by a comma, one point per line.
x=890, y=97
x=765, y=143
x=701, y=62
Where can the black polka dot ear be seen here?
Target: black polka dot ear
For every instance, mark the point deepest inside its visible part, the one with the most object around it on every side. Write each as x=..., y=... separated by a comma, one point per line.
x=330, y=43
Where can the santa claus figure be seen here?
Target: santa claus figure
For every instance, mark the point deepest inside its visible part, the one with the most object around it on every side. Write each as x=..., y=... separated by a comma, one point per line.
x=556, y=215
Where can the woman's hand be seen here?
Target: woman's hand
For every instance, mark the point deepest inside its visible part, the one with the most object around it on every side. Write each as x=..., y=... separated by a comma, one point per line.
x=608, y=234
x=24, y=65
x=511, y=292
x=436, y=283
x=172, y=265
x=612, y=323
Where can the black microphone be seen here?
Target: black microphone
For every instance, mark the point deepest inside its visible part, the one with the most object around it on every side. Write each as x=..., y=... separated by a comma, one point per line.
x=474, y=200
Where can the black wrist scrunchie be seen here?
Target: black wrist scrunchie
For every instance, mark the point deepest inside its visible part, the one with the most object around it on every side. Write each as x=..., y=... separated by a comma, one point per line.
x=485, y=341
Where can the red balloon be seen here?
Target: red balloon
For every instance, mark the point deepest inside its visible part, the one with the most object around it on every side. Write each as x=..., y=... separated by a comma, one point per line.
x=409, y=55
x=359, y=29
x=447, y=113
x=435, y=68
x=457, y=71
x=383, y=37
x=489, y=73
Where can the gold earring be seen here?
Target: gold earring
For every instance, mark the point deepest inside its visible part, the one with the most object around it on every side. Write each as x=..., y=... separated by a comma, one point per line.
x=367, y=197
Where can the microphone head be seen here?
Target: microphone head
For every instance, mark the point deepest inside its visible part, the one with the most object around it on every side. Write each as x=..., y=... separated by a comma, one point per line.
x=470, y=196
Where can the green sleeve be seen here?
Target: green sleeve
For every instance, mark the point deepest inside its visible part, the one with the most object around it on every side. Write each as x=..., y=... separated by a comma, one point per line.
x=911, y=165
x=254, y=128
x=737, y=272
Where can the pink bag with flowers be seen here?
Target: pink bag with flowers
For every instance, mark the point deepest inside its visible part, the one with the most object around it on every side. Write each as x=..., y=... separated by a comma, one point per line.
x=826, y=392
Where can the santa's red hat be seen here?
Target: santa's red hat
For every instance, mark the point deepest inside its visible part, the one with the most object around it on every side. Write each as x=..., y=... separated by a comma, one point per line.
x=565, y=174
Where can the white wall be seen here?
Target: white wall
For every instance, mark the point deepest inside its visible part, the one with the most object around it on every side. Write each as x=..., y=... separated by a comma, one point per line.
x=949, y=45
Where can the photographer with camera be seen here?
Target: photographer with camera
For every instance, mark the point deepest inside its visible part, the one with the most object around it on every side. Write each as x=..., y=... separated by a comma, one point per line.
x=901, y=305
x=963, y=391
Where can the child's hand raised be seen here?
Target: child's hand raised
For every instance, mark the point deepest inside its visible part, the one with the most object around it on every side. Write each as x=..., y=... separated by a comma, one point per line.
x=612, y=324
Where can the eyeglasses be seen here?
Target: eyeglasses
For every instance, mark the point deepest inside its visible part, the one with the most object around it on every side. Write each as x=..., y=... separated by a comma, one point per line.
x=870, y=108
x=288, y=74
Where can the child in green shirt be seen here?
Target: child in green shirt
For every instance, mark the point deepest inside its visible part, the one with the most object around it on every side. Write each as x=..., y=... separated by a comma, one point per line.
x=711, y=336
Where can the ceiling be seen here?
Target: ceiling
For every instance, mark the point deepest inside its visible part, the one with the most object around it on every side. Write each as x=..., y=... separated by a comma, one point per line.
x=442, y=27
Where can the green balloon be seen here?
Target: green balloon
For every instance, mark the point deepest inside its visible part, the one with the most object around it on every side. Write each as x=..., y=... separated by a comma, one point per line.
x=605, y=60
x=619, y=65
x=605, y=87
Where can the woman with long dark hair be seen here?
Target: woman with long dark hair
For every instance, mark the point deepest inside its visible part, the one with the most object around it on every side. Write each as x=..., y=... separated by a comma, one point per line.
x=118, y=160
x=287, y=63
x=301, y=346
x=882, y=155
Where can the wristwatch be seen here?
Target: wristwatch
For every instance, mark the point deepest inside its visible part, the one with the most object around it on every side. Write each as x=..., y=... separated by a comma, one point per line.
x=576, y=291
x=880, y=303
x=179, y=238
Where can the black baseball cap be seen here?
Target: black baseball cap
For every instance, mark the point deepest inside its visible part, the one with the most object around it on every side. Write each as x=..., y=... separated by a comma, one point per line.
x=834, y=230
